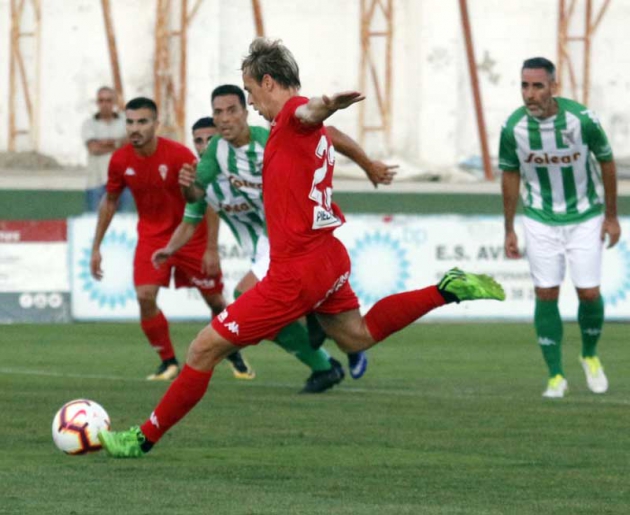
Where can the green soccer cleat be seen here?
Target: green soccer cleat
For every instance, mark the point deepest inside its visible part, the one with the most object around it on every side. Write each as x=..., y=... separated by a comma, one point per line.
x=458, y=285
x=122, y=444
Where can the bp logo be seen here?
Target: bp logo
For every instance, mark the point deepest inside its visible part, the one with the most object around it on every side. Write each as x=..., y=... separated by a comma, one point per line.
x=379, y=267
x=116, y=287
x=616, y=276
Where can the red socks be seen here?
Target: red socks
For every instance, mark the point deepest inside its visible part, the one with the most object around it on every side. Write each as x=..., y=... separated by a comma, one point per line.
x=156, y=331
x=397, y=311
x=182, y=396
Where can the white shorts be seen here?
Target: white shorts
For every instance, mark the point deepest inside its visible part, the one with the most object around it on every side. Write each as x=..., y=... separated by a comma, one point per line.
x=260, y=262
x=549, y=247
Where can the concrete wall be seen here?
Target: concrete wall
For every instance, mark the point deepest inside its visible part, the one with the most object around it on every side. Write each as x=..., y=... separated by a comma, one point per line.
x=433, y=122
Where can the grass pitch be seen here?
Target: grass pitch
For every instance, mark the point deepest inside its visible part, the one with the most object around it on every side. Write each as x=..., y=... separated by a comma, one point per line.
x=449, y=419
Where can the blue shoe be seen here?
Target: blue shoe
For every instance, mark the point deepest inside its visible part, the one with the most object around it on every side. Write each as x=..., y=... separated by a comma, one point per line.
x=357, y=364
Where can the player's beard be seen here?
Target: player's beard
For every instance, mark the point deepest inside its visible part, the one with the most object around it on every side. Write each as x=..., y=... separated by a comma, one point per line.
x=137, y=140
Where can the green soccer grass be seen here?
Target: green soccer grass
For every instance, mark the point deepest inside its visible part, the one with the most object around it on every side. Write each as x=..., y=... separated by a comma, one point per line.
x=449, y=419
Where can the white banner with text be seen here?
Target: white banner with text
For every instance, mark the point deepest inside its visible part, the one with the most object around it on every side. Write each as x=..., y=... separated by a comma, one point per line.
x=34, y=274
x=389, y=254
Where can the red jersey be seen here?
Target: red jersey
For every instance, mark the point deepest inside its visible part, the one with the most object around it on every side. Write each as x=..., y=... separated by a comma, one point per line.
x=153, y=181
x=297, y=185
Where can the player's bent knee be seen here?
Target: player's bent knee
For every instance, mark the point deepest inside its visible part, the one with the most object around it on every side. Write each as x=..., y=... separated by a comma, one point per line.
x=208, y=349
x=146, y=298
x=354, y=341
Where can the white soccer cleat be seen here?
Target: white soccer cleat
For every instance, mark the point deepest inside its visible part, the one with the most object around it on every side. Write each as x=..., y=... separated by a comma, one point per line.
x=556, y=387
x=595, y=378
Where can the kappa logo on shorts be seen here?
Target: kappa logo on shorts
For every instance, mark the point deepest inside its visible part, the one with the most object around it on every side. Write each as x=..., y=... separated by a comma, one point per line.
x=203, y=283
x=232, y=327
x=163, y=169
x=341, y=280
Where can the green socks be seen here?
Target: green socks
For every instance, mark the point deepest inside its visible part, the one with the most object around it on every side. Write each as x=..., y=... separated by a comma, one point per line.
x=549, y=331
x=591, y=320
x=294, y=339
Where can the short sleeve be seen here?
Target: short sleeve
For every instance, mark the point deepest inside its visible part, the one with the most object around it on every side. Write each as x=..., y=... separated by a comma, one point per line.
x=184, y=155
x=195, y=211
x=115, y=173
x=293, y=121
x=508, y=158
x=208, y=168
x=596, y=138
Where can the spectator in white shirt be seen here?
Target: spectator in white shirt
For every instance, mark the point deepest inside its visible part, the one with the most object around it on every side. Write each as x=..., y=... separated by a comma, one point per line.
x=103, y=133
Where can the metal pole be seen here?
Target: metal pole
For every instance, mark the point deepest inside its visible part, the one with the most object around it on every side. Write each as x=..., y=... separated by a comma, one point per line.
x=587, y=53
x=180, y=114
x=113, y=53
x=38, y=67
x=472, y=67
x=388, y=74
x=258, y=19
x=14, y=41
x=561, y=40
x=362, y=66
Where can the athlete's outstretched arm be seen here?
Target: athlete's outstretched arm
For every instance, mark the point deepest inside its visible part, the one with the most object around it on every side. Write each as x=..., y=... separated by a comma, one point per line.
x=317, y=109
x=106, y=211
x=180, y=237
x=377, y=171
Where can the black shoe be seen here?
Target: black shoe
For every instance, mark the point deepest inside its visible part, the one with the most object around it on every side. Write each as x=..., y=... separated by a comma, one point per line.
x=167, y=371
x=240, y=368
x=316, y=335
x=322, y=381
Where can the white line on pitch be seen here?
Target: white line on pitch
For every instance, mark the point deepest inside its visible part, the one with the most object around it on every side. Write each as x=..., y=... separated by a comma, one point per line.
x=350, y=389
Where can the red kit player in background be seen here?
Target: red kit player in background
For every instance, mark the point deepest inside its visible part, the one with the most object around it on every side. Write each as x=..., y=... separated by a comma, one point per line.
x=149, y=167
x=309, y=267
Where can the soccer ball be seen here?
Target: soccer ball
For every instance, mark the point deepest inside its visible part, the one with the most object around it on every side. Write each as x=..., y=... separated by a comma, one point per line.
x=76, y=425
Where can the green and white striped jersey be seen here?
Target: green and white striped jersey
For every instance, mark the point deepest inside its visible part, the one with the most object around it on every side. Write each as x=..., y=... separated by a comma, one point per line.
x=232, y=180
x=562, y=182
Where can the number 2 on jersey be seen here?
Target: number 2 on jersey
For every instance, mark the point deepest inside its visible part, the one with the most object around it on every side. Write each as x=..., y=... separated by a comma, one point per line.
x=322, y=212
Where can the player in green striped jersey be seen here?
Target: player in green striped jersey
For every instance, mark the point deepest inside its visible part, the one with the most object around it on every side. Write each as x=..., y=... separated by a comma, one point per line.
x=559, y=152
x=202, y=131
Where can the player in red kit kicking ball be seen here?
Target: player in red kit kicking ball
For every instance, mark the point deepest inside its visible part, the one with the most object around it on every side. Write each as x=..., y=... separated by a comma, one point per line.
x=149, y=167
x=309, y=267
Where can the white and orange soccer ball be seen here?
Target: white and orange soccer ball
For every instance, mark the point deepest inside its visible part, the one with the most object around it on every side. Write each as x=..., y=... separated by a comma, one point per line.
x=76, y=425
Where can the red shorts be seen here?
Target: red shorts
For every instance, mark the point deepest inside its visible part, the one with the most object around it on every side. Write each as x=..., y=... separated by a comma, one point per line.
x=184, y=265
x=318, y=283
